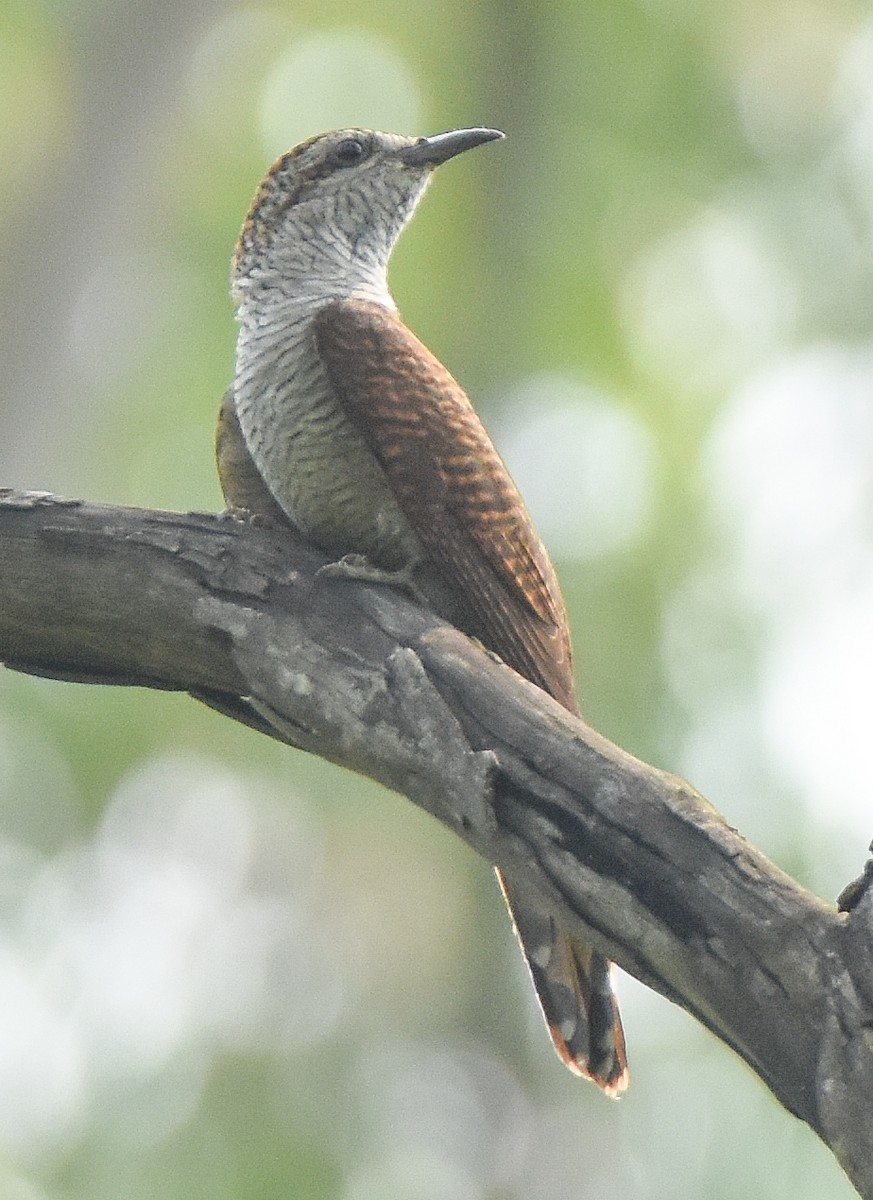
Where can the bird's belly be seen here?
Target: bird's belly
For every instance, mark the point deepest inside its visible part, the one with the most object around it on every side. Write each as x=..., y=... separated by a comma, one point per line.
x=323, y=474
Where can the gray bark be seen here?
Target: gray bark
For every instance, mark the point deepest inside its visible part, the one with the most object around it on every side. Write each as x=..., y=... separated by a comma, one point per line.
x=640, y=864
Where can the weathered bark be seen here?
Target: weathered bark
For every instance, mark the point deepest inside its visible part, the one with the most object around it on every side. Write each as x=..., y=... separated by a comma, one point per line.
x=642, y=866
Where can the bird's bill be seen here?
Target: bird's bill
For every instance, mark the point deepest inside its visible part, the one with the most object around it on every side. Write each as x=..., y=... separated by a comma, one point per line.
x=430, y=152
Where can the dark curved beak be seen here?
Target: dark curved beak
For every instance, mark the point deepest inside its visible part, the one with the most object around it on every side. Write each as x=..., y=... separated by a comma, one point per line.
x=430, y=152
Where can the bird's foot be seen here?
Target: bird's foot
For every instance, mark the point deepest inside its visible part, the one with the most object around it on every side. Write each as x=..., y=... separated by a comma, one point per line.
x=245, y=516
x=357, y=566
x=232, y=513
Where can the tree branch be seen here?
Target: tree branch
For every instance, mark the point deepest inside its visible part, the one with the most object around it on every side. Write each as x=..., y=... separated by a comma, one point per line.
x=631, y=857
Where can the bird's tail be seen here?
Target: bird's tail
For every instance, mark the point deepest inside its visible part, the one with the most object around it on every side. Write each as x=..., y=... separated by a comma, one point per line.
x=572, y=983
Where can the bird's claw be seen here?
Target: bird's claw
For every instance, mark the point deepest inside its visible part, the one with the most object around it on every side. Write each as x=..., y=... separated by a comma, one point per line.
x=359, y=567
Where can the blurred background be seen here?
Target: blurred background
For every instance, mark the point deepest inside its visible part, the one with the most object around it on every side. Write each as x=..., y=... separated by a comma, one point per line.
x=227, y=970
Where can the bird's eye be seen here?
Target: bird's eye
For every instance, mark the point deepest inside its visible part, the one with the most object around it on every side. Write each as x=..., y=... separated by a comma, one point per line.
x=347, y=152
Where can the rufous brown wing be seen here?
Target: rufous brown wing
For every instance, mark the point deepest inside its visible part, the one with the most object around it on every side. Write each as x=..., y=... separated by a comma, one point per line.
x=458, y=496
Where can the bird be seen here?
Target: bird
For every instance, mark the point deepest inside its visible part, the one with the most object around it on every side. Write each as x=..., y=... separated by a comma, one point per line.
x=340, y=421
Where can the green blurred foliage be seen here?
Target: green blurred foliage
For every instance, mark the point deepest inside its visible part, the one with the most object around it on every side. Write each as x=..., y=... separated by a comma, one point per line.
x=680, y=204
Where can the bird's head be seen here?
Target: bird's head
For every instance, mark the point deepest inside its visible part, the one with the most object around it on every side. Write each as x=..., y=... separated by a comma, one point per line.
x=327, y=215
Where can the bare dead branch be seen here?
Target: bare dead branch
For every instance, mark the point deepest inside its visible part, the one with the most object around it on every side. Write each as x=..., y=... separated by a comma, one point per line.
x=643, y=867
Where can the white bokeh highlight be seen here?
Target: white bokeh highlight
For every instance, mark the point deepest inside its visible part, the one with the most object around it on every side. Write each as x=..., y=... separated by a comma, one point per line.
x=790, y=471
x=788, y=465
x=708, y=300
x=584, y=464
x=335, y=79
x=817, y=708
x=188, y=925
x=453, y=1114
